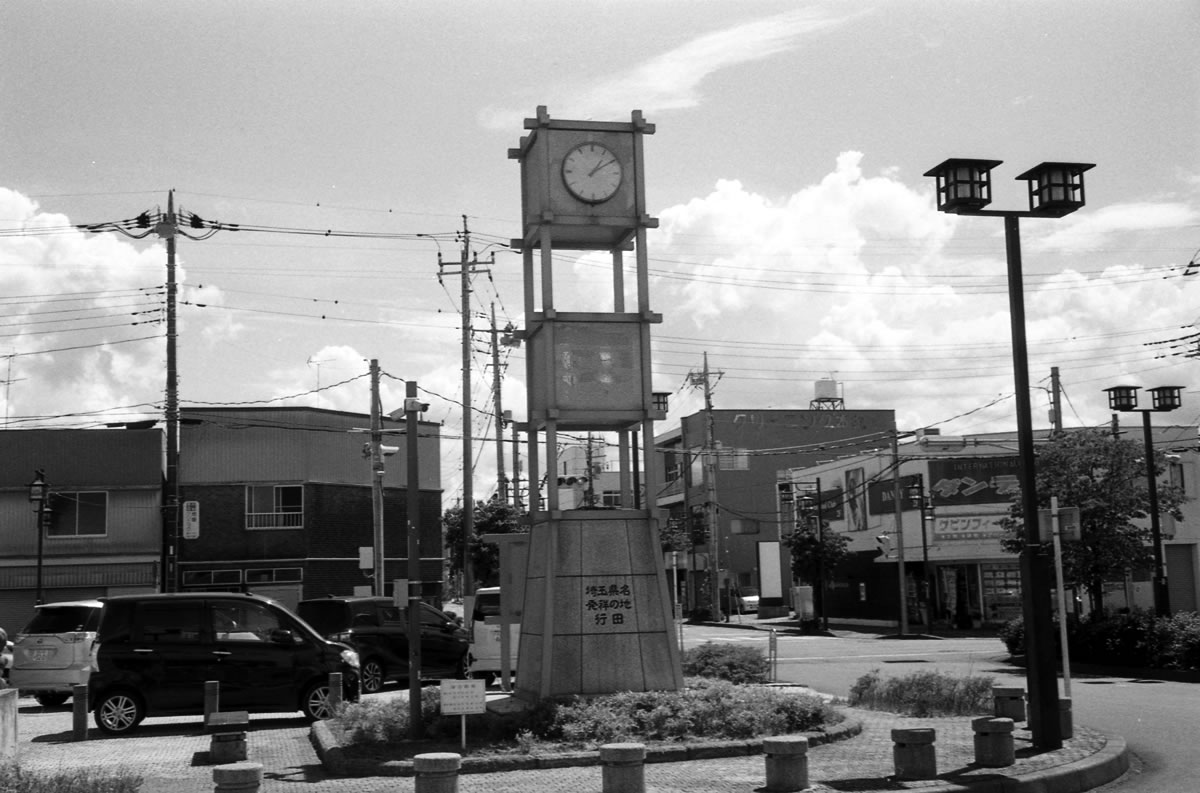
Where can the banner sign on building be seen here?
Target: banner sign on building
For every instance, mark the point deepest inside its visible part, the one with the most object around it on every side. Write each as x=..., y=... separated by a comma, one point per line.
x=963, y=481
x=881, y=495
x=967, y=528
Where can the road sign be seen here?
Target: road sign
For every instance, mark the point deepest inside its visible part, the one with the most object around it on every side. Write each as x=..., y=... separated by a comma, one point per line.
x=1069, y=525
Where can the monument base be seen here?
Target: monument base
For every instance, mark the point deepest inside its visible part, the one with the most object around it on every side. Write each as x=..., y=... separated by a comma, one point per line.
x=597, y=612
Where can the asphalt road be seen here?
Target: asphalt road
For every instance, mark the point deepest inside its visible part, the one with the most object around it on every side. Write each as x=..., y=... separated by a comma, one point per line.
x=1159, y=719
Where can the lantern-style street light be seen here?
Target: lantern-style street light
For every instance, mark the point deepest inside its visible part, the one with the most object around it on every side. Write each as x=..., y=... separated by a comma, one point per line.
x=808, y=508
x=1163, y=400
x=38, y=494
x=964, y=187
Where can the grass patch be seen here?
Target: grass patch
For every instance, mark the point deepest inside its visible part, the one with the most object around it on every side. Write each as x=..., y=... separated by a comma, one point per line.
x=923, y=694
x=15, y=780
x=704, y=710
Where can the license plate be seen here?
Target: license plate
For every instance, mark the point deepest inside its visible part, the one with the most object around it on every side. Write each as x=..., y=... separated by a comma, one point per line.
x=41, y=654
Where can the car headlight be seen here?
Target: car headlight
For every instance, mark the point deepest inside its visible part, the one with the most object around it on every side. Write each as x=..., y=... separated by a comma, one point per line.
x=350, y=658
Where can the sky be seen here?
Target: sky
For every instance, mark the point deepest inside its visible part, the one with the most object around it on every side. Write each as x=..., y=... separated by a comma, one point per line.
x=798, y=238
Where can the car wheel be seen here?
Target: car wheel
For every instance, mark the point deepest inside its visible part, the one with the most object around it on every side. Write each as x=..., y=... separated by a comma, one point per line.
x=462, y=670
x=316, y=703
x=372, y=675
x=51, y=699
x=119, y=712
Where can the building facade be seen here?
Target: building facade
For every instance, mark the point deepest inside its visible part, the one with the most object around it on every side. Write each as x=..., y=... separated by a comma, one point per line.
x=275, y=501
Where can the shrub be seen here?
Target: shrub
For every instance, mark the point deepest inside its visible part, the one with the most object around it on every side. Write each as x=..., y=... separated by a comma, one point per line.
x=733, y=662
x=14, y=780
x=923, y=694
x=707, y=709
x=1136, y=639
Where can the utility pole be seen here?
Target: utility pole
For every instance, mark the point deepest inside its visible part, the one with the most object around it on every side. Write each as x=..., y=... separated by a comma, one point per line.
x=377, y=480
x=501, y=479
x=466, y=269
x=168, y=227
x=899, y=504
x=711, y=520
x=1055, y=401
x=412, y=411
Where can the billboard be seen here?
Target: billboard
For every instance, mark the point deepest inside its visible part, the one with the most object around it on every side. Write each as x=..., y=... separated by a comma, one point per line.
x=966, y=481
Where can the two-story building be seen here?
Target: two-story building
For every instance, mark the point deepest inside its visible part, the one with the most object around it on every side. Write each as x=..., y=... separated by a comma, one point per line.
x=272, y=500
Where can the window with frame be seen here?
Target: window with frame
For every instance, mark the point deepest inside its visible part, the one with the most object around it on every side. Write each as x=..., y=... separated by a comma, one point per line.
x=610, y=498
x=733, y=459
x=274, y=507
x=78, y=514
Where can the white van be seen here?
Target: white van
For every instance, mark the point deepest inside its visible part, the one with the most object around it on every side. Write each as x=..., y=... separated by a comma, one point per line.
x=53, y=653
x=486, y=651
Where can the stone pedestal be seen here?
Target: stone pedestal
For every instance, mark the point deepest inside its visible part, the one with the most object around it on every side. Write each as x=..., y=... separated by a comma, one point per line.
x=1008, y=702
x=597, y=612
x=914, y=754
x=623, y=768
x=787, y=763
x=993, y=742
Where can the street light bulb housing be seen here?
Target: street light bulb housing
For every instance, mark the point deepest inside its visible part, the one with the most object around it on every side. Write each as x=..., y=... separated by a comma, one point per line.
x=1166, y=397
x=1122, y=397
x=1055, y=188
x=963, y=185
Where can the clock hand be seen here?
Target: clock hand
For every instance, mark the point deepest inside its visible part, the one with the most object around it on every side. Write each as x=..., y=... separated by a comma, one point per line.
x=601, y=165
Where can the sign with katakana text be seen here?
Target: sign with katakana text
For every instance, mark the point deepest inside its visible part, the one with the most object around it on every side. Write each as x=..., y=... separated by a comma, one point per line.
x=974, y=480
x=608, y=604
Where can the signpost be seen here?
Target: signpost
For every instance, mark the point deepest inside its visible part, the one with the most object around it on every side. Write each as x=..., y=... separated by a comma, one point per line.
x=461, y=698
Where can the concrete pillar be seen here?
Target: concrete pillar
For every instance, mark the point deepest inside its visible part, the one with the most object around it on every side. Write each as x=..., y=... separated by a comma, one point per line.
x=623, y=768
x=212, y=698
x=913, y=753
x=335, y=689
x=227, y=747
x=79, y=714
x=237, y=778
x=437, y=772
x=1008, y=702
x=787, y=763
x=1066, y=721
x=993, y=742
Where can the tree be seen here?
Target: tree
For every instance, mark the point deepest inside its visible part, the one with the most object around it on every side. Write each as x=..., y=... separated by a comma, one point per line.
x=815, y=552
x=1106, y=478
x=490, y=517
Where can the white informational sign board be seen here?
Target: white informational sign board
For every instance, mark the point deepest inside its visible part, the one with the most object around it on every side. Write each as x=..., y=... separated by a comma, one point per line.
x=461, y=697
x=191, y=520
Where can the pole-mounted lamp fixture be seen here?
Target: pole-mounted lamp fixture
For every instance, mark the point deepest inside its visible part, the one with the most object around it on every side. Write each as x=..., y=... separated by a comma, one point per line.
x=964, y=187
x=38, y=495
x=1163, y=399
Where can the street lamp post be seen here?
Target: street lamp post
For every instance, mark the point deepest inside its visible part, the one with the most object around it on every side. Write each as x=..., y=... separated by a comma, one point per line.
x=1055, y=189
x=810, y=507
x=916, y=498
x=1164, y=399
x=37, y=495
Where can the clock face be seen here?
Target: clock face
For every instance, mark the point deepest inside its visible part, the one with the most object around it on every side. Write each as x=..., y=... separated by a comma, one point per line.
x=591, y=172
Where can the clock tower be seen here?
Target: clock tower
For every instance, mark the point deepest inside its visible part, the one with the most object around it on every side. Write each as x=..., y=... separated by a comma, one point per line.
x=596, y=614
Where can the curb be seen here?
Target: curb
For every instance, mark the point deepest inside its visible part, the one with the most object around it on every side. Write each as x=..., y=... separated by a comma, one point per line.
x=1091, y=772
x=333, y=756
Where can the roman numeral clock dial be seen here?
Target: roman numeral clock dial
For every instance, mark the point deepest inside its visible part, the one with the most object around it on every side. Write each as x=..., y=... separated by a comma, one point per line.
x=591, y=172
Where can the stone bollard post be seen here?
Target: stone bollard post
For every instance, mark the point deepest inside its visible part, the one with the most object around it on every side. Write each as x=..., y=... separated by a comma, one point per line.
x=994, y=742
x=623, y=768
x=1066, y=722
x=437, y=772
x=787, y=763
x=212, y=698
x=1008, y=702
x=79, y=712
x=335, y=689
x=913, y=753
x=237, y=778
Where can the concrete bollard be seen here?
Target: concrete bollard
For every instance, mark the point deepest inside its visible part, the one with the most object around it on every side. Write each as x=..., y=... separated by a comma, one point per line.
x=1066, y=722
x=79, y=713
x=994, y=742
x=227, y=747
x=787, y=763
x=913, y=753
x=335, y=689
x=237, y=778
x=623, y=768
x=437, y=772
x=212, y=698
x=1008, y=702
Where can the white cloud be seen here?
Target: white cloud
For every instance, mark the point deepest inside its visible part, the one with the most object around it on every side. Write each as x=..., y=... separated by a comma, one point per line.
x=1088, y=230
x=673, y=80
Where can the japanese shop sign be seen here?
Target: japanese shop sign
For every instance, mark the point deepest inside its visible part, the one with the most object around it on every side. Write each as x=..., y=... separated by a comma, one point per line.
x=974, y=480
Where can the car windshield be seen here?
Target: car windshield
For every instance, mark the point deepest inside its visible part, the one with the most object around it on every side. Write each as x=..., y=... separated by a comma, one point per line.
x=64, y=619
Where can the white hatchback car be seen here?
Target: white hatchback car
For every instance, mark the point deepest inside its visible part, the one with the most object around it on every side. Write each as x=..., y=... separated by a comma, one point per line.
x=53, y=653
x=486, y=651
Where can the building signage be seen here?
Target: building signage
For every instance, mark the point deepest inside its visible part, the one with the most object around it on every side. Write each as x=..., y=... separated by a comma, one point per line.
x=881, y=495
x=974, y=480
x=461, y=697
x=971, y=528
x=608, y=604
x=191, y=520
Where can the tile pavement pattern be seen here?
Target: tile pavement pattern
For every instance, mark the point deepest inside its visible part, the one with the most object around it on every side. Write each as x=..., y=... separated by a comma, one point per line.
x=171, y=755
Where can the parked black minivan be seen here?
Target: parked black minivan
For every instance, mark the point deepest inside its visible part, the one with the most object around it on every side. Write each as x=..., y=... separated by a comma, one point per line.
x=154, y=653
